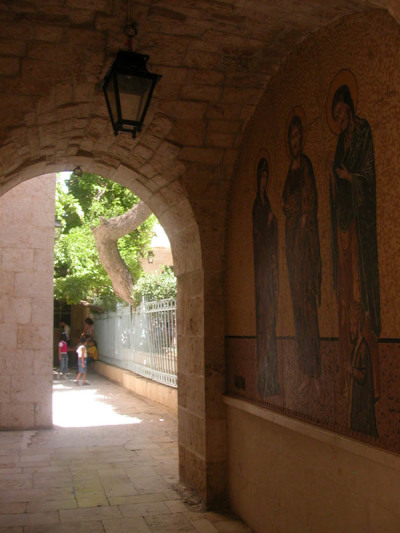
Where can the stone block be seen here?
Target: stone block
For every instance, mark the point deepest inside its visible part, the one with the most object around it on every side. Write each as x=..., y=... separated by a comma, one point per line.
x=17, y=260
x=9, y=66
x=18, y=310
x=210, y=77
x=221, y=140
x=40, y=336
x=21, y=362
x=36, y=389
x=5, y=387
x=206, y=156
x=8, y=338
x=186, y=250
x=188, y=132
x=87, y=38
x=7, y=283
x=42, y=310
x=193, y=318
x=241, y=95
x=224, y=126
x=32, y=284
x=43, y=260
x=196, y=397
x=42, y=362
x=47, y=33
x=208, y=93
x=12, y=47
x=192, y=469
x=43, y=413
x=17, y=415
x=205, y=60
x=183, y=109
x=224, y=111
x=190, y=355
x=160, y=126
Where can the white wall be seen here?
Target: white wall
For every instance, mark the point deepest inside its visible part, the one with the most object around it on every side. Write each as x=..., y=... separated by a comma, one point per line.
x=289, y=476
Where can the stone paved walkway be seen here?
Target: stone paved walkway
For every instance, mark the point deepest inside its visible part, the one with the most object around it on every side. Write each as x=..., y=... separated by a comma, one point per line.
x=108, y=465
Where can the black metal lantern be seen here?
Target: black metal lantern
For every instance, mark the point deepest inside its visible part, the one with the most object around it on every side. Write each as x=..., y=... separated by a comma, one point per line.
x=128, y=88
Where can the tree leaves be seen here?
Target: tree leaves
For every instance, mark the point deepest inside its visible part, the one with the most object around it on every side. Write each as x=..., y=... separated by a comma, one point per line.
x=78, y=273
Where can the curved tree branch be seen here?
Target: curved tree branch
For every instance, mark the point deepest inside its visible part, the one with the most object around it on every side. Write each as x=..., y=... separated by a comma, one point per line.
x=106, y=235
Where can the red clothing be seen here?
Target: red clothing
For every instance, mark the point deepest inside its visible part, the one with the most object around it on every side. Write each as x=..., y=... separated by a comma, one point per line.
x=62, y=345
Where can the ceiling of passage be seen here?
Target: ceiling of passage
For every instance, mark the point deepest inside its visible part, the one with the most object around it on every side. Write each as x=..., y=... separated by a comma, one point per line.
x=216, y=57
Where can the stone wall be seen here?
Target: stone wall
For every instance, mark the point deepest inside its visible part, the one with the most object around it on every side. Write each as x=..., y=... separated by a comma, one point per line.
x=26, y=304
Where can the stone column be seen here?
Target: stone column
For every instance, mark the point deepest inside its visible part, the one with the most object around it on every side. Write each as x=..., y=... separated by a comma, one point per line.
x=26, y=304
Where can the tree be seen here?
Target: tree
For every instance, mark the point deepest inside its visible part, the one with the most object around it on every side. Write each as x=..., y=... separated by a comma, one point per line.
x=106, y=235
x=155, y=287
x=81, y=203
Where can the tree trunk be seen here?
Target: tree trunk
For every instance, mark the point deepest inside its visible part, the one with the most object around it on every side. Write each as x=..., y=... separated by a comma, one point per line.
x=106, y=235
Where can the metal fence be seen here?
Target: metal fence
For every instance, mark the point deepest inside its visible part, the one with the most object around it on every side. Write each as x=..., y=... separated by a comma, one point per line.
x=141, y=340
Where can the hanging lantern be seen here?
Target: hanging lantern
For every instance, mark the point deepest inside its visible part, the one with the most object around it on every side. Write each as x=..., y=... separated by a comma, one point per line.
x=128, y=88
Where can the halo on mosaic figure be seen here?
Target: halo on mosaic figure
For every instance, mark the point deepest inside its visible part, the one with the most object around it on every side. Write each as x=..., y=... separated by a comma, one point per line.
x=299, y=112
x=262, y=154
x=343, y=77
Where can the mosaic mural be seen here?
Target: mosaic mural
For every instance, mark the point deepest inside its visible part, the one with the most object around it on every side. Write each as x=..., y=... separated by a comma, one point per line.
x=333, y=382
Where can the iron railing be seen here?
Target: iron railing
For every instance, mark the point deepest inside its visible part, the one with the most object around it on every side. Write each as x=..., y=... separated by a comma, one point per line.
x=141, y=340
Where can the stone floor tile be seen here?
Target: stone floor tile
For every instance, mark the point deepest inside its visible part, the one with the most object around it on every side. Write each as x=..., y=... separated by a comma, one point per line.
x=171, y=494
x=26, y=519
x=24, y=495
x=120, y=489
x=16, y=481
x=8, y=458
x=70, y=527
x=169, y=523
x=51, y=505
x=16, y=470
x=141, y=471
x=142, y=509
x=231, y=527
x=92, y=500
x=59, y=470
x=12, y=507
x=122, y=525
x=176, y=506
x=89, y=514
x=150, y=484
x=204, y=526
x=53, y=482
x=139, y=498
x=83, y=477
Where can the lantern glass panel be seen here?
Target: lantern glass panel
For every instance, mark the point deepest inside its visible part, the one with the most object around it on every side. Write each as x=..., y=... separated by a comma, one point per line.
x=110, y=90
x=133, y=94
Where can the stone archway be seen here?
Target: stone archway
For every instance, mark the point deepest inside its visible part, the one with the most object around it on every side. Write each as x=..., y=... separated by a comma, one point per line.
x=174, y=212
x=216, y=60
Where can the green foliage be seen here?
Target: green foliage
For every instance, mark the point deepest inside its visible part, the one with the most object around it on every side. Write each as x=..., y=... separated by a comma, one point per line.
x=80, y=203
x=155, y=287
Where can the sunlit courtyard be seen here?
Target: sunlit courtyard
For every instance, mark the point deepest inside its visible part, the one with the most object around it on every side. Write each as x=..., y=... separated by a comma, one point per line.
x=78, y=406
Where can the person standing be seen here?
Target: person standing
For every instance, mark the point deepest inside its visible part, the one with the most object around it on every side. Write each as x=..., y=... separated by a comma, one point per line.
x=67, y=330
x=266, y=274
x=82, y=362
x=63, y=355
x=88, y=329
x=300, y=205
